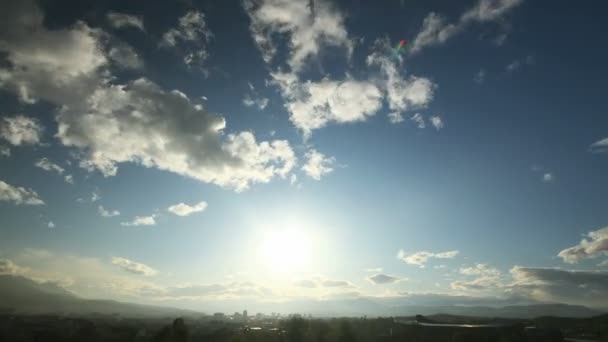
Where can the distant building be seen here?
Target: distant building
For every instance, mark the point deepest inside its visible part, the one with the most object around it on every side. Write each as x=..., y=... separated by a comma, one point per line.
x=245, y=315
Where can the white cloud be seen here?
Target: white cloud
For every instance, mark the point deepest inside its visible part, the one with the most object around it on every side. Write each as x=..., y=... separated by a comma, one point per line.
x=437, y=122
x=309, y=25
x=51, y=224
x=403, y=93
x=422, y=257
x=122, y=20
x=192, y=34
x=378, y=279
x=313, y=105
x=436, y=31
x=20, y=130
x=134, y=267
x=69, y=179
x=600, y=146
x=107, y=213
x=132, y=124
x=18, y=195
x=182, y=209
x=317, y=164
x=419, y=120
x=137, y=122
x=47, y=165
x=141, y=221
x=595, y=245
x=59, y=65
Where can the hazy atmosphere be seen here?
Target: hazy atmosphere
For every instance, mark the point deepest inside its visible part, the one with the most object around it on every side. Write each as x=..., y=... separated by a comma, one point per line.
x=334, y=157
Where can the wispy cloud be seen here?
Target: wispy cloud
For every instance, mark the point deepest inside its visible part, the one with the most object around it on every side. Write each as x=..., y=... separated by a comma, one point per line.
x=435, y=30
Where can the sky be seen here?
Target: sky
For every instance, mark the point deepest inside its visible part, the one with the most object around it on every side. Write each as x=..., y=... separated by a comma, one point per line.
x=196, y=153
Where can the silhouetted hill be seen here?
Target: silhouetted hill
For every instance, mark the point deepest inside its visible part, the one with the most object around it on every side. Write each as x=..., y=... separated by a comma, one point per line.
x=21, y=295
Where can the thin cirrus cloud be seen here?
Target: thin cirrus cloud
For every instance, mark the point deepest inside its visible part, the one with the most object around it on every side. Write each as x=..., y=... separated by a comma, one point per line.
x=421, y=258
x=183, y=209
x=600, y=146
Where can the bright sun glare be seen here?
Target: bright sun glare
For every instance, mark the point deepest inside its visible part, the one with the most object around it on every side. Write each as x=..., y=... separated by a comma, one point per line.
x=286, y=250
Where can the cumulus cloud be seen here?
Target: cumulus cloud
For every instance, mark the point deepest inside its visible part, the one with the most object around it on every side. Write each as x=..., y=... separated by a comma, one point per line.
x=123, y=20
x=559, y=285
x=422, y=257
x=599, y=146
x=593, y=246
x=313, y=105
x=51, y=224
x=107, y=213
x=309, y=26
x=192, y=35
x=18, y=195
x=134, y=267
x=141, y=221
x=548, y=177
x=517, y=64
x=182, y=209
x=435, y=30
x=142, y=123
x=317, y=164
x=378, y=279
x=135, y=122
x=20, y=130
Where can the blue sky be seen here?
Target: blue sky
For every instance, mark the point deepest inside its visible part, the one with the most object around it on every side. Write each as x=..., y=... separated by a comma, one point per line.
x=274, y=150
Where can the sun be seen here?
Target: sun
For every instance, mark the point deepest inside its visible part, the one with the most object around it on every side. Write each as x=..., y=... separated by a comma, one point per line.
x=286, y=250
